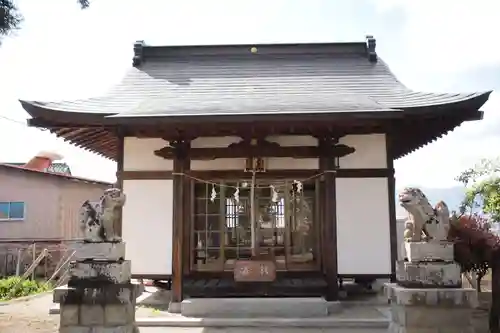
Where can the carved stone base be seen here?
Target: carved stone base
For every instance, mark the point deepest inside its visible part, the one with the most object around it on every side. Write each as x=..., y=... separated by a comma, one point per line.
x=98, y=251
x=428, y=275
x=100, y=329
x=428, y=251
x=99, y=272
x=105, y=309
x=431, y=310
x=109, y=294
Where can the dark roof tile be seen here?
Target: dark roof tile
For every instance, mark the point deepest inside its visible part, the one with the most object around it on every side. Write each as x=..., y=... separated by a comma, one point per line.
x=203, y=82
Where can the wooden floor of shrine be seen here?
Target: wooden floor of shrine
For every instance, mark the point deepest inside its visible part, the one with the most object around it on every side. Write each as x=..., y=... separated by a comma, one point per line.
x=213, y=287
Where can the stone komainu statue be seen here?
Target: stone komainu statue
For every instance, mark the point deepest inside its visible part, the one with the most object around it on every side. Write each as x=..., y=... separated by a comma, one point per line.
x=97, y=219
x=425, y=223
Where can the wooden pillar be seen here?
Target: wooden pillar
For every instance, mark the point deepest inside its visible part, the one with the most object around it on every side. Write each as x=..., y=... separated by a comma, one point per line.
x=179, y=211
x=391, y=185
x=187, y=224
x=120, y=152
x=329, y=223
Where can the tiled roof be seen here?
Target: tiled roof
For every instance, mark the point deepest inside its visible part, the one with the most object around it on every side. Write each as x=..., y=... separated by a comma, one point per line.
x=172, y=83
x=19, y=167
x=308, y=83
x=55, y=167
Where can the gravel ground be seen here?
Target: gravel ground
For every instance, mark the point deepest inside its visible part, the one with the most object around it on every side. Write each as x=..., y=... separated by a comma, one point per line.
x=29, y=316
x=32, y=316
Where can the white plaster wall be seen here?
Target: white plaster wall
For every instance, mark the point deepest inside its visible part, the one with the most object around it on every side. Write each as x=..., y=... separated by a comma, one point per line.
x=371, y=152
x=139, y=155
x=219, y=164
x=280, y=163
x=273, y=163
x=147, y=225
x=363, y=233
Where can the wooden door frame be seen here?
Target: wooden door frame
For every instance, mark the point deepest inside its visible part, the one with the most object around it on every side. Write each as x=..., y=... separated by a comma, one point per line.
x=231, y=175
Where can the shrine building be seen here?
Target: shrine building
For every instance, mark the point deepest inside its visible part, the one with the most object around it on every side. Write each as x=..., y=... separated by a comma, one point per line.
x=258, y=170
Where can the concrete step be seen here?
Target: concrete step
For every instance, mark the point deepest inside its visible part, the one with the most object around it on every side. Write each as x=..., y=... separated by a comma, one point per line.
x=323, y=322
x=256, y=307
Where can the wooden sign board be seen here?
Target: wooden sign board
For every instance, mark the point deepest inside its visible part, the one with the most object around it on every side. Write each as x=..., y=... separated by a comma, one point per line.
x=254, y=271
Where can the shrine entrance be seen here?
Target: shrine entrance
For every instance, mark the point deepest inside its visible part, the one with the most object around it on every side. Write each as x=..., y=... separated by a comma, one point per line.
x=275, y=220
x=255, y=237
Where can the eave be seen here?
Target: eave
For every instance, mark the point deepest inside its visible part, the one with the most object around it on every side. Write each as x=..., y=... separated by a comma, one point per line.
x=189, y=91
x=411, y=131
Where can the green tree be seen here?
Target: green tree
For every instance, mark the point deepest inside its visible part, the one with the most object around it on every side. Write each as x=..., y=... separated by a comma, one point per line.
x=482, y=184
x=477, y=248
x=11, y=18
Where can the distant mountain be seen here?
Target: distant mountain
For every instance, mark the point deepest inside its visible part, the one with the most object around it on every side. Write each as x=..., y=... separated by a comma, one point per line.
x=452, y=196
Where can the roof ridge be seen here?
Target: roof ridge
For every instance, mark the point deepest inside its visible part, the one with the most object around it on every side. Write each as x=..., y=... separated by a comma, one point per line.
x=142, y=51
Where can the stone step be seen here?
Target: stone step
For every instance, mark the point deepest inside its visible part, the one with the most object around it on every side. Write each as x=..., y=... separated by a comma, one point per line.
x=256, y=307
x=324, y=322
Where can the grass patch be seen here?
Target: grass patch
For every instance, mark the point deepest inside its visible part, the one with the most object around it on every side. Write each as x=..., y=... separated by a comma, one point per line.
x=25, y=288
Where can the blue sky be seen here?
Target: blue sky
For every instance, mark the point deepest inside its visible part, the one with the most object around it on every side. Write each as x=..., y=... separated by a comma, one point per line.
x=64, y=53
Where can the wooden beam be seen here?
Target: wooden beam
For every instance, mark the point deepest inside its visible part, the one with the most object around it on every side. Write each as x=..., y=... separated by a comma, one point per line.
x=186, y=223
x=146, y=174
x=120, y=152
x=75, y=133
x=178, y=219
x=240, y=174
x=261, y=148
x=364, y=173
x=391, y=186
x=90, y=139
x=330, y=246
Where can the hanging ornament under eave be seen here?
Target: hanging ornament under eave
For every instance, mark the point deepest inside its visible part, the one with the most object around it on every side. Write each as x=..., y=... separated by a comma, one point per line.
x=274, y=194
x=213, y=195
x=236, y=195
x=297, y=185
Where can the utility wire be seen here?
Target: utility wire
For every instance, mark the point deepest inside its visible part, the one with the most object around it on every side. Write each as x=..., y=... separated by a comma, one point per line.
x=19, y=122
x=14, y=120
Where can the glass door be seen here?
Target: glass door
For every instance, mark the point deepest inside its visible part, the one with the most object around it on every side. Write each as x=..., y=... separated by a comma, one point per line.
x=281, y=227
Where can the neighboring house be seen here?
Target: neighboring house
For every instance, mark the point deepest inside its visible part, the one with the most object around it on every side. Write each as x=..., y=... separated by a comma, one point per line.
x=40, y=200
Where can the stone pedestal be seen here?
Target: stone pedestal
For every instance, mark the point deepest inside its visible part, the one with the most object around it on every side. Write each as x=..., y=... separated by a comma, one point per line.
x=428, y=274
x=422, y=251
x=427, y=296
x=438, y=310
x=100, y=296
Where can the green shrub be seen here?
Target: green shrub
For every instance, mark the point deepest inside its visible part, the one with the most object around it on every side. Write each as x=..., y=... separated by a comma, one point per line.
x=25, y=288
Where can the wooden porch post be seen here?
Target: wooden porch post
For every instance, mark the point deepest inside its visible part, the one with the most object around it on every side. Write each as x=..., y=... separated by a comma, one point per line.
x=120, y=137
x=329, y=239
x=186, y=226
x=391, y=185
x=178, y=219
